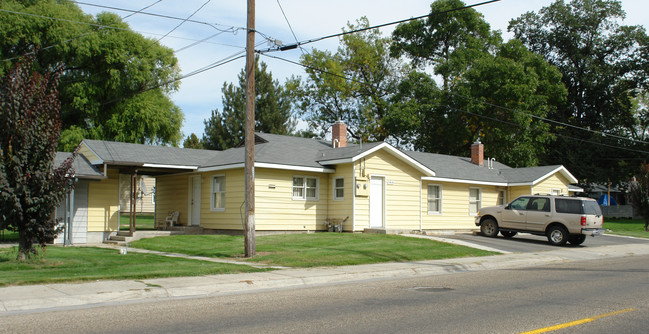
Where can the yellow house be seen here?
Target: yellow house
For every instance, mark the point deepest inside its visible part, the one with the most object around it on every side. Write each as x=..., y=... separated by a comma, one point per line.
x=306, y=184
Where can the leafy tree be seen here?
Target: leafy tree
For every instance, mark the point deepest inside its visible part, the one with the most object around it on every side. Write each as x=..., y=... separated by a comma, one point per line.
x=639, y=194
x=490, y=90
x=114, y=82
x=604, y=64
x=225, y=129
x=354, y=84
x=31, y=187
x=192, y=141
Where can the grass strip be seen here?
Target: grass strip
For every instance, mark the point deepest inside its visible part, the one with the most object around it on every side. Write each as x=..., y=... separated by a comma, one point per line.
x=74, y=264
x=628, y=227
x=313, y=250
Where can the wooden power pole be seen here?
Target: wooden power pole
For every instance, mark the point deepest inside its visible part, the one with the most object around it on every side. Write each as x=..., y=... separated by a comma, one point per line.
x=249, y=243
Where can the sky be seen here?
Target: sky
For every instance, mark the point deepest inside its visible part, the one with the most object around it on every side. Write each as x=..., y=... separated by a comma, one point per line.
x=218, y=33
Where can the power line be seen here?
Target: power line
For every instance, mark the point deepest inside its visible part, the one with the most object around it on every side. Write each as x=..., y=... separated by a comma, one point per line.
x=289, y=25
x=185, y=20
x=294, y=46
x=213, y=25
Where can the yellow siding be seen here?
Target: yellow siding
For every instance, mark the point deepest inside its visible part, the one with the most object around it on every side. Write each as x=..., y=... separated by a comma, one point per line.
x=103, y=203
x=340, y=209
x=402, y=192
x=171, y=195
x=554, y=181
x=230, y=218
x=455, y=205
x=518, y=191
x=86, y=152
x=144, y=203
x=275, y=208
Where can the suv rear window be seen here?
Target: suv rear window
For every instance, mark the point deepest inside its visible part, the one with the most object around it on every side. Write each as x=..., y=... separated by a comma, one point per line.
x=592, y=208
x=568, y=206
x=577, y=206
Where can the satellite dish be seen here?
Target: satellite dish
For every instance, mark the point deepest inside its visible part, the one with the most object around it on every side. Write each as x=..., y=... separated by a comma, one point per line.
x=143, y=186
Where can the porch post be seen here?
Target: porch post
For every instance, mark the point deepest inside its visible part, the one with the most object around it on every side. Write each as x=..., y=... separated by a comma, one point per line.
x=133, y=204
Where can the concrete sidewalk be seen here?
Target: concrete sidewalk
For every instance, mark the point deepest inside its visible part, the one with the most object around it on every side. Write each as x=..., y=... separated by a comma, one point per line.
x=36, y=298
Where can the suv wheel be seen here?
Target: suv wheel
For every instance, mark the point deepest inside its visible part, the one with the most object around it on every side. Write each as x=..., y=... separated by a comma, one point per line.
x=489, y=227
x=577, y=239
x=557, y=235
x=508, y=234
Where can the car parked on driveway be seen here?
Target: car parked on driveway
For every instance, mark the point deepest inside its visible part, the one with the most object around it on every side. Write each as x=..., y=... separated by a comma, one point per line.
x=562, y=219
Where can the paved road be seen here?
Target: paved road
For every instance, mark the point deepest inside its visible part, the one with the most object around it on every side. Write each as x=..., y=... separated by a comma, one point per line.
x=525, y=243
x=611, y=291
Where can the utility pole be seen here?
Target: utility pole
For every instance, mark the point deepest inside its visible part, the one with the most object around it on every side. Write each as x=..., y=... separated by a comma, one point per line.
x=249, y=243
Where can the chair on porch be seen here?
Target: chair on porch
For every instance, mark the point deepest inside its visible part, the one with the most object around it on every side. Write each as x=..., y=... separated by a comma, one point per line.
x=172, y=219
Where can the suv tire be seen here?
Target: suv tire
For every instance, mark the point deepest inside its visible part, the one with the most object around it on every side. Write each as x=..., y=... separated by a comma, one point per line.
x=489, y=227
x=577, y=239
x=557, y=235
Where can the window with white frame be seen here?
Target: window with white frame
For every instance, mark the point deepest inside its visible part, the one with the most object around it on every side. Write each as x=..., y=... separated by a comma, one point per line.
x=339, y=188
x=218, y=193
x=305, y=187
x=556, y=191
x=475, y=200
x=502, y=197
x=434, y=199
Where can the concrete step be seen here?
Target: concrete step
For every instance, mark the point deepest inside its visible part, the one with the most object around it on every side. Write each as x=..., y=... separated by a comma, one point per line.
x=124, y=233
x=119, y=238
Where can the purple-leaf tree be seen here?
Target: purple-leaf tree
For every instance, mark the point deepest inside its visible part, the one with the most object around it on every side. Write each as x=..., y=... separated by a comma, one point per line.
x=31, y=187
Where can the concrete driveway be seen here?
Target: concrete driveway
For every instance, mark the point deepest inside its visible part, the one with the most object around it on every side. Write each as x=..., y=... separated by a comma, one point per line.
x=525, y=243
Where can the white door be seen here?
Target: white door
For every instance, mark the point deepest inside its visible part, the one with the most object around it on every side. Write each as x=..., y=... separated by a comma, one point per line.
x=376, y=202
x=195, y=201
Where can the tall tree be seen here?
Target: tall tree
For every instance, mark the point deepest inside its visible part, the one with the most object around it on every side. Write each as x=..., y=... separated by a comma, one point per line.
x=604, y=64
x=225, y=128
x=115, y=83
x=354, y=84
x=30, y=186
x=490, y=90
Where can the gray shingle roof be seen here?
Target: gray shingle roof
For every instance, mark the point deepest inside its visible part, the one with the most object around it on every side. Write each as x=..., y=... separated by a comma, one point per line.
x=137, y=154
x=82, y=167
x=460, y=168
x=527, y=174
x=312, y=153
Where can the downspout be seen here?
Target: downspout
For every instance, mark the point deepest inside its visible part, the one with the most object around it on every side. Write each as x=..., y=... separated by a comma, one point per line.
x=421, y=203
x=353, y=197
x=71, y=212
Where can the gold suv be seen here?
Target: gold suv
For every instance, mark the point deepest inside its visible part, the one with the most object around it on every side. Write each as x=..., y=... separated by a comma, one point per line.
x=562, y=219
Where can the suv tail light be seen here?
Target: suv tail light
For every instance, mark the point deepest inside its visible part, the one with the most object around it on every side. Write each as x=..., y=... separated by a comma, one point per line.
x=583, y=220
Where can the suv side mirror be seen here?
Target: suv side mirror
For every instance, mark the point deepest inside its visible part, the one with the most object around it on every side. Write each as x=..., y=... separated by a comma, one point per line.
x=508, y=206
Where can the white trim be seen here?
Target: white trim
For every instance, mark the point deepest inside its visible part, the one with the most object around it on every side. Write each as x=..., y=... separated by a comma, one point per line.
x=212, y=208
x=291, y=167
x=421, y=215
x=564, y=172
x=484, y=183
x=169, y=166
x=305, y=188
x=353, y=194
x=439, y=211
x=334, y=197
x=402, y=156
x=268, y=165
x=219, y=168
x=479, y=201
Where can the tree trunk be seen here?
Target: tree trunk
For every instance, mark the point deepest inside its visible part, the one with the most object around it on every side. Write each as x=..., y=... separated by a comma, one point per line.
x=646, y=225
x=25, y=246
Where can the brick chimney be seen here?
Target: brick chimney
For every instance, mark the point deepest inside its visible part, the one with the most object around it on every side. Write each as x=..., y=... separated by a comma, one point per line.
x=477, y=153
x=339, y=134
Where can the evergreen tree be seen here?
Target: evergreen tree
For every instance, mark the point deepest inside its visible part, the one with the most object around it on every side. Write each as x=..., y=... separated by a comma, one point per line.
x=225, y=128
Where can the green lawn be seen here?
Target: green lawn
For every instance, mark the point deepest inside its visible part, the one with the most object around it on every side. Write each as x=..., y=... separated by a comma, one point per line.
x=6, y=236
x=311, y=250
x=72, y=264
x=629, y=227
x=142, y=222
